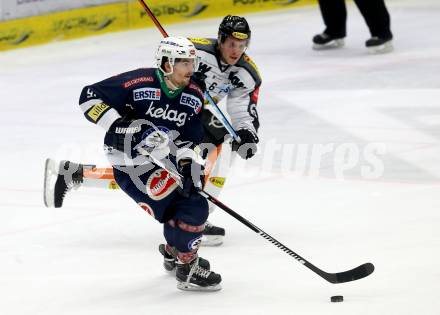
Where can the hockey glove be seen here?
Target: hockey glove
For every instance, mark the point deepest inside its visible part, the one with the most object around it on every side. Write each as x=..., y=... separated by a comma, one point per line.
x=199, y=79
x=119, y=130
x=248, y=145
x=193, y=176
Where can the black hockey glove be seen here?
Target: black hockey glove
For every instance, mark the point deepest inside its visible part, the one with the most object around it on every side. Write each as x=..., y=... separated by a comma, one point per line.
x=248, y=145
x=199, y=79
x=119, y=130
x=193, y=176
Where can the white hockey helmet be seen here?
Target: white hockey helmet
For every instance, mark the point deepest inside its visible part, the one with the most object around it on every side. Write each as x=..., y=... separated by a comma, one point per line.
x=174, y=48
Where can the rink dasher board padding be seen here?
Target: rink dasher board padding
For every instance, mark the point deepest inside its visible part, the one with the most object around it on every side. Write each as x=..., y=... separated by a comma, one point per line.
x=114, y=17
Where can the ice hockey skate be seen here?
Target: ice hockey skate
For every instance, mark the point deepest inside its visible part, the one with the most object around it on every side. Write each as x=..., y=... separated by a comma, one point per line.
x=376, y=45
x=324, y=41
x=170, y=259
x=212, y=235
x=59, y=178
x=193, y=277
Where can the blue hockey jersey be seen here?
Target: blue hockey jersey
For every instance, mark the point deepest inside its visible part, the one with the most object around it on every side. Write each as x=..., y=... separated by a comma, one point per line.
x=143, y=94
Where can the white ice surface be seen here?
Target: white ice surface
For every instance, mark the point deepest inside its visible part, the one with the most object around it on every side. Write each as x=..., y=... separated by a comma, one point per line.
x=97, y=255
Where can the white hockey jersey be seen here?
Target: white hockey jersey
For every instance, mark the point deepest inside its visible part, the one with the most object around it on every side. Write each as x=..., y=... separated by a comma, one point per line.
x=240, y=83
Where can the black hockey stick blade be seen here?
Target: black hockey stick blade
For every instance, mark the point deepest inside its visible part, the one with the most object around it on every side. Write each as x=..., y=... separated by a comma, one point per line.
x=357, y=273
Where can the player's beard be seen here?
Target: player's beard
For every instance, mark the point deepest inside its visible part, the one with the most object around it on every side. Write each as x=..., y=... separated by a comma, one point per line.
x=184, y=81
x=179, y=81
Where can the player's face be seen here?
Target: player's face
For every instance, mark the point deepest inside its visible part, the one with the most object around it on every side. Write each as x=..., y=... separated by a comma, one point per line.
x=182, y=72
x=232, y=49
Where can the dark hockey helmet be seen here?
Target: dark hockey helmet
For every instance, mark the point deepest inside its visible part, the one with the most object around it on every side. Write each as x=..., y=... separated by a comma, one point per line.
x=235, y=26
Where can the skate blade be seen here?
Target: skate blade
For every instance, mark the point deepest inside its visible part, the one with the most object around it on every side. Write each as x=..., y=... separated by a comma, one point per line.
x=337, y=43
x=211, y=240
x=49, y=172
x=382, y=49
x=194, y=287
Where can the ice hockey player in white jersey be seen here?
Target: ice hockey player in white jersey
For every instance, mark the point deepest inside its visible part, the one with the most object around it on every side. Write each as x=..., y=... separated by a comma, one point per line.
x=229, y=73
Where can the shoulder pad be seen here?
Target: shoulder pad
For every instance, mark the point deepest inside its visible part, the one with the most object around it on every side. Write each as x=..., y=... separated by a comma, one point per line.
x=247, y=63
x=205, y=44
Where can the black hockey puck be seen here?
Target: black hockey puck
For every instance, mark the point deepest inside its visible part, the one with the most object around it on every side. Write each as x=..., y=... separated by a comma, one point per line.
x=337, y=298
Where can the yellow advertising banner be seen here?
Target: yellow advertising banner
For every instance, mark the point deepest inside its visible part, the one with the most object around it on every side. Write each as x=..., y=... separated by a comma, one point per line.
x=62, y=25
x=175, y=11
x=123, y=16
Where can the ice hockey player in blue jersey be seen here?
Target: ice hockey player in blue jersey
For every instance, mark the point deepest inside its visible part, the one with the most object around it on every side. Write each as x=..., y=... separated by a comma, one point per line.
x=233, y=80
x=157, y=112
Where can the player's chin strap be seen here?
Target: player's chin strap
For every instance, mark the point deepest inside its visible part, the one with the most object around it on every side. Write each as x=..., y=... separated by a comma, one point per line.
x=340, y=277
x=219, y=112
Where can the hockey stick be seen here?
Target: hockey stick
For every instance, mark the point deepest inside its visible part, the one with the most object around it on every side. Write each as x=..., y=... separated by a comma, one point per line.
x=340, y=277
x=357, y=273
x=221, y=116
x=153, y=18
